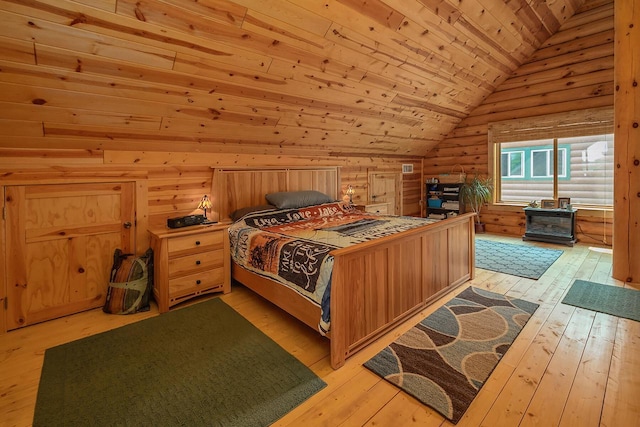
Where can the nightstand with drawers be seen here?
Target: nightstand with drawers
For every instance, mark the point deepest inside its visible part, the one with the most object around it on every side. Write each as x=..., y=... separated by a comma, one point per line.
x=190, y=261
x=379, y=208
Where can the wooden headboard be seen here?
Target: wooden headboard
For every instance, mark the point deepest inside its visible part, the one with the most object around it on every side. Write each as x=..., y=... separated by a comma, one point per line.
x=237, y=188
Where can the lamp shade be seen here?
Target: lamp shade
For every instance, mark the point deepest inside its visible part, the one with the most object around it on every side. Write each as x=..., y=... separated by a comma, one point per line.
x=205, y=203
x=350, y=193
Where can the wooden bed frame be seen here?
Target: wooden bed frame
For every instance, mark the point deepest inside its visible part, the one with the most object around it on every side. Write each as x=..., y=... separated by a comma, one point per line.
x=375, y=284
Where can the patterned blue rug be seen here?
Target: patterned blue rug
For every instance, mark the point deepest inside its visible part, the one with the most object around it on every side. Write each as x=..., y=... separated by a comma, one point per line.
x=444, y=360
x=519, y=260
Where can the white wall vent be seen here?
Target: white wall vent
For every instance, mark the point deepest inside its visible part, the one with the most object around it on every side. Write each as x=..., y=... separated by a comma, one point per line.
x=408, y=168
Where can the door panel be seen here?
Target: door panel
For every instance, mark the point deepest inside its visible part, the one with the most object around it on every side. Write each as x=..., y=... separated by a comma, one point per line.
x=60, y=243
x=386, y=188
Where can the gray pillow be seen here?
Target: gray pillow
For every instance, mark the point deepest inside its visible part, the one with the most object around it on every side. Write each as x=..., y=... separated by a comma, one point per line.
x=297, y=199
x=239, y=213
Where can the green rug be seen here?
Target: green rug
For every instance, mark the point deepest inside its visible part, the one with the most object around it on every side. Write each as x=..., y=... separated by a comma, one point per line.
x=614, y=300
x=200, y=365
x=445, y=359
x=519, y=260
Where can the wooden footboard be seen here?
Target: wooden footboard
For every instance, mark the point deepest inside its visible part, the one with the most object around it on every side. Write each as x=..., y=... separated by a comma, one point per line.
x=377, y=284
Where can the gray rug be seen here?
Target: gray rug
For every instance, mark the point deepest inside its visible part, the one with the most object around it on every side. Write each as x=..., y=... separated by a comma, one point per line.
x=200, y=365
x=519, y=260
x=614, y=300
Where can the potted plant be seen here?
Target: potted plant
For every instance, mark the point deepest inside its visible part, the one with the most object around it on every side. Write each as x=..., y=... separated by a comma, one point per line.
x=475, y=192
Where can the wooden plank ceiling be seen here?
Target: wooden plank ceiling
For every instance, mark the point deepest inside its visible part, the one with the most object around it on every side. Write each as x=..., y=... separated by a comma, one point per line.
x=338, y=77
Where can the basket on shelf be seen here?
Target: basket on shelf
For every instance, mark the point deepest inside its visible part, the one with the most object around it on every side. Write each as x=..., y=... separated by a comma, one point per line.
x=453, y=177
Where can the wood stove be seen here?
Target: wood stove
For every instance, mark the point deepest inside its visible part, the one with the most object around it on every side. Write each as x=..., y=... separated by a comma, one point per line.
x=550, y=225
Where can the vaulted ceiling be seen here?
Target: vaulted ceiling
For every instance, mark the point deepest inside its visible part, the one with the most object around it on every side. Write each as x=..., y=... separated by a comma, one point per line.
x=345, y=77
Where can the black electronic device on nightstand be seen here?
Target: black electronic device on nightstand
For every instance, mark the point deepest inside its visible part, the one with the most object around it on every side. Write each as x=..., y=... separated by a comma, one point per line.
x=186, y=221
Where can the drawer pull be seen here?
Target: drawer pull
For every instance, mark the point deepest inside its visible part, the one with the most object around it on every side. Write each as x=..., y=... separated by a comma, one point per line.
x=197, y=242
x=198, y=262
x=198, y=282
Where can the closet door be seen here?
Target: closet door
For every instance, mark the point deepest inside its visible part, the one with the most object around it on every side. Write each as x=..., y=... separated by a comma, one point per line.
x=386, y=188
x=60, y=240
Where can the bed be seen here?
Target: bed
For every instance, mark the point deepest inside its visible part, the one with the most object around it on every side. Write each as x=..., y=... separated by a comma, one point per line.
x=374, y=284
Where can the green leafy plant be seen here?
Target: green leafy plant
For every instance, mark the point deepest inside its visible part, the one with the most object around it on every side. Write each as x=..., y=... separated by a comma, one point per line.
x=475, y=192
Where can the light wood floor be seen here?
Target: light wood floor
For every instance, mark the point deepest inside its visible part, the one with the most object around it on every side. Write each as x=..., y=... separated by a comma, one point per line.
x=568, y=367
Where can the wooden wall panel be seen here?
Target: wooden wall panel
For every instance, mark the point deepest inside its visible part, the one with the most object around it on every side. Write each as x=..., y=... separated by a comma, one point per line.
x=17, y=50
x=164, y=90
x=572, y=71
x=44, y=33
x=174, y=192
x=170, y=184
x=384, y=78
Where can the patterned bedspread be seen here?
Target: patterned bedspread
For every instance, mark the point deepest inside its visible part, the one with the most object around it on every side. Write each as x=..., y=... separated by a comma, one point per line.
x=292, y=246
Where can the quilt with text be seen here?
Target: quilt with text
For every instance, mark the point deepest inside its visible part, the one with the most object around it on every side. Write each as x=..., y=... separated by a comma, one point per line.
x=293, y=246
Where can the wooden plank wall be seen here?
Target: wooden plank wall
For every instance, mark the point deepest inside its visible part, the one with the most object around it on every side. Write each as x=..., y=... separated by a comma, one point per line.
x=573, y=70
x=381, y=77
x=170, y=184
x=96, y=84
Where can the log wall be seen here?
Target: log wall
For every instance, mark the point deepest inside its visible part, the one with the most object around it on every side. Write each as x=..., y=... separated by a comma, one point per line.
x=572, y=70
x=153, y=138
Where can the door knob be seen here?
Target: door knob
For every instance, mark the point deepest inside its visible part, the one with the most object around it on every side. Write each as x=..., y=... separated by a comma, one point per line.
x=127, y=224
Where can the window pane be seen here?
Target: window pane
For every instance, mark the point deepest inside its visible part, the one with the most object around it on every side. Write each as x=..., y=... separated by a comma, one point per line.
x=511, y=164
x=591, y=170
x=523, y=185
x=504, y=164
x=540, y=164
x=515, y=166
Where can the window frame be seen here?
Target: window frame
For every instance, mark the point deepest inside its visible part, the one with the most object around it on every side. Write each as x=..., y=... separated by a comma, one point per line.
x=579, y=123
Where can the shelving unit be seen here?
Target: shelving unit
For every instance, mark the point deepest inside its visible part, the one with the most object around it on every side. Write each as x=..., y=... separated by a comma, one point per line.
x=443, y=200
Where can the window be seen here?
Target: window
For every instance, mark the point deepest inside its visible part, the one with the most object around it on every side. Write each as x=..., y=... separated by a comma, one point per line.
x=560, y=155
x=511, y=164
x=542, y=163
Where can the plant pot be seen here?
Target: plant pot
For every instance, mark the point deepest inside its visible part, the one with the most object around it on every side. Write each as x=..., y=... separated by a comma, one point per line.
x=479, y=227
